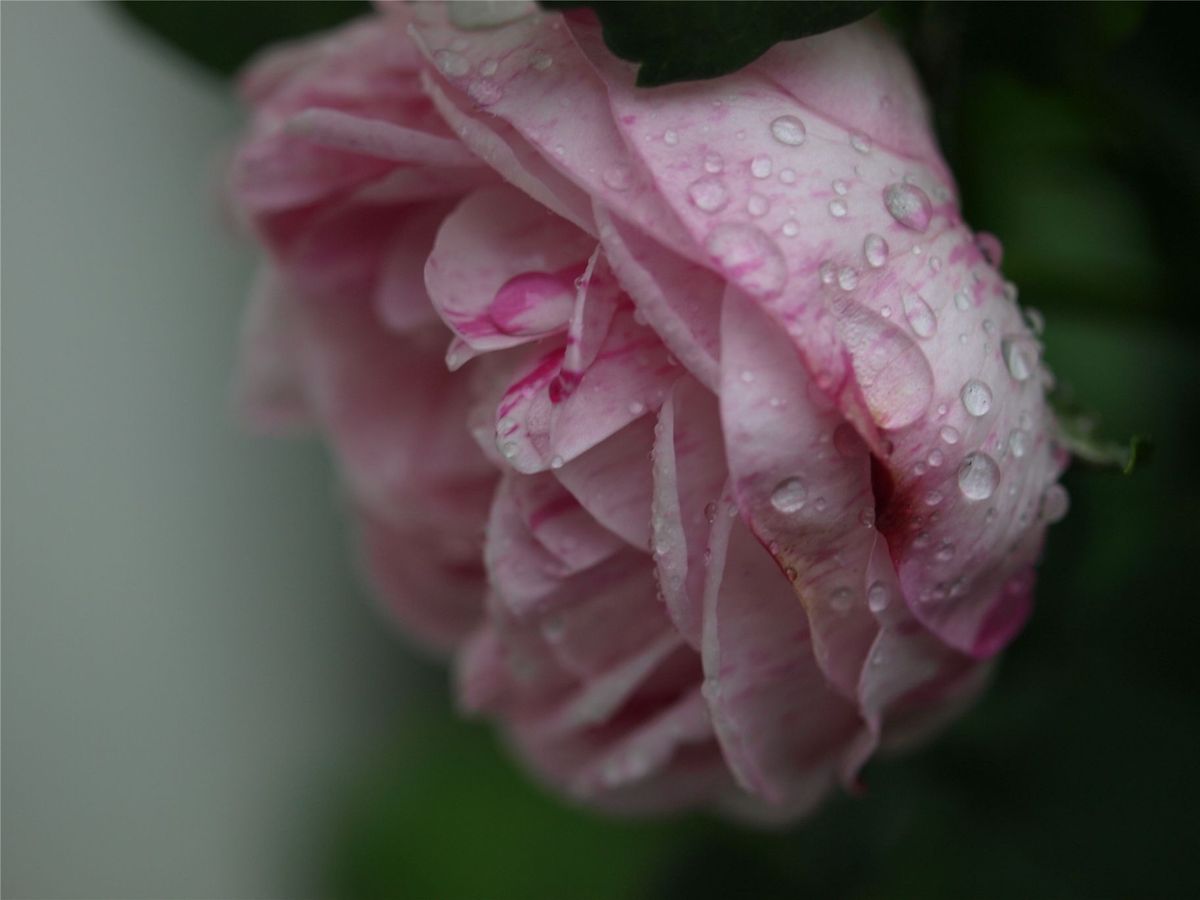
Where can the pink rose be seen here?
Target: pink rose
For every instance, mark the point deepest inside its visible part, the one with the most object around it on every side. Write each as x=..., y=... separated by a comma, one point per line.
x=738, y=462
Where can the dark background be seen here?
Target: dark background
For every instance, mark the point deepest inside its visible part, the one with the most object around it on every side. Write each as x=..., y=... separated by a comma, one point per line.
x=1074, y=132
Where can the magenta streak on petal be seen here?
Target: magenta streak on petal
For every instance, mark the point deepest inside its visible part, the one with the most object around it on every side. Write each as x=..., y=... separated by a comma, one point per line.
x=530, y=383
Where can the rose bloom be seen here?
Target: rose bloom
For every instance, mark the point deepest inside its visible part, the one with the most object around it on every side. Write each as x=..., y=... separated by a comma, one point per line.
x=693, y=420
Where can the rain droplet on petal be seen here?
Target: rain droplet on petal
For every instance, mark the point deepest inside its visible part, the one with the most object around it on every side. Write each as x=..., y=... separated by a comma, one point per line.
x=936, y=458
x=877, y=597
x=962, y=300
x=1018, y=442
x=760, y=166
x=713, y=163
x=556, y=462
x=920, y=316
x=838, y=208
x=789, y=130
x=708, y=194
x=875, y=249
x=840, y=187
x=908, y=205
x=637, y=408
x=749, y=257
x=670, y=137
x=541, y=60
x=485, y=92
x=860, y=142
x=757, y=205
x=976, y=398
x=450, y=63
x=489, y=67
x=1020, y=357
x=1055, y=503
x=508, y=449
x=827, y=272
x=788, y=176
x=618, y=177
x=847, y=279
x=977, y=476
x=790, y=228
x=789, y=496
x=949, y=434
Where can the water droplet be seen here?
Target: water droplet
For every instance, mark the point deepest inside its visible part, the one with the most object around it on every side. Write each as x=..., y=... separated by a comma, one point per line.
x=847, y=279
x=757, y=205
x=820, y=504
x=867, y=517
x=485, y=92
x=977, y=476
x=1020, y=357
x=789, y=130
x=489, y=67
x=976, y=398
x=1055, y=503
x=749, y=257
x=556, y=462
x=789, y=496
x=713, y=163
x=827, y=272
x=840, y=187
x=962, y=300
x=860, y=142
x=933, y=498
x=945, y=552
x=541, y=61
x=1018, y=442
x=788, y=176
x=840, y=600
x=838, y=208
x=708, y=194
x=508, y=449
x=936, y=458
x=875, y=249
x=1035, y=320
x=920, y=317
x=877, y=597
x=618, y=177
x=747, y=376
x=790, y=228
x=637, y=408
x=450, y=63
x=908, y=205
x=760, y=166
x=935, y=264
x=670, y=137
x=885, y=311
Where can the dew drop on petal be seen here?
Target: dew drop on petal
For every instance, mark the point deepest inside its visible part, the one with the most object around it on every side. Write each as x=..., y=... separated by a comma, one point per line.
x=847, y=279
x=962, y=300
x=757, y=205
x=1018, y=442
x=708, y=194
x=789, y=130
x=920, y=317
x=977, y=476
x=485, y=92
x=949, y=434
x=713, y=163
x=760, y=166
x=541, y=60
x=450, y=63
x=556, y=462
x=1020, y=357
x=877, y=597
x=840, y=187
x=790, y=228
x=789, y=496
x=860, y=142
x=489, y=67
x=670, y=137
x=935, y=458
x=908, y=205
x=1055, y=503
x=875, y=249
x=976, y=398
x=838, y=208
x=618, y=177
x=749, y=257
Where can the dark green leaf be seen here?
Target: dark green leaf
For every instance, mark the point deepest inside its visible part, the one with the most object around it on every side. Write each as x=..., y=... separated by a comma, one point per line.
x=681, y=40
x=221, y=35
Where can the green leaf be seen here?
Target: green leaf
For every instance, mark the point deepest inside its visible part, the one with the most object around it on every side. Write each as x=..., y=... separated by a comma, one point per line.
x=221, y=35
x=682, y=40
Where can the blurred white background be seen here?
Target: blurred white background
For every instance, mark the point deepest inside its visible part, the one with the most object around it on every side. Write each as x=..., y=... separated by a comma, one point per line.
x=190, y=669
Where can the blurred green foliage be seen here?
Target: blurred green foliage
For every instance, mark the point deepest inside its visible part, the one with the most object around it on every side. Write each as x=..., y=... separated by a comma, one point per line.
x=1074, y=130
